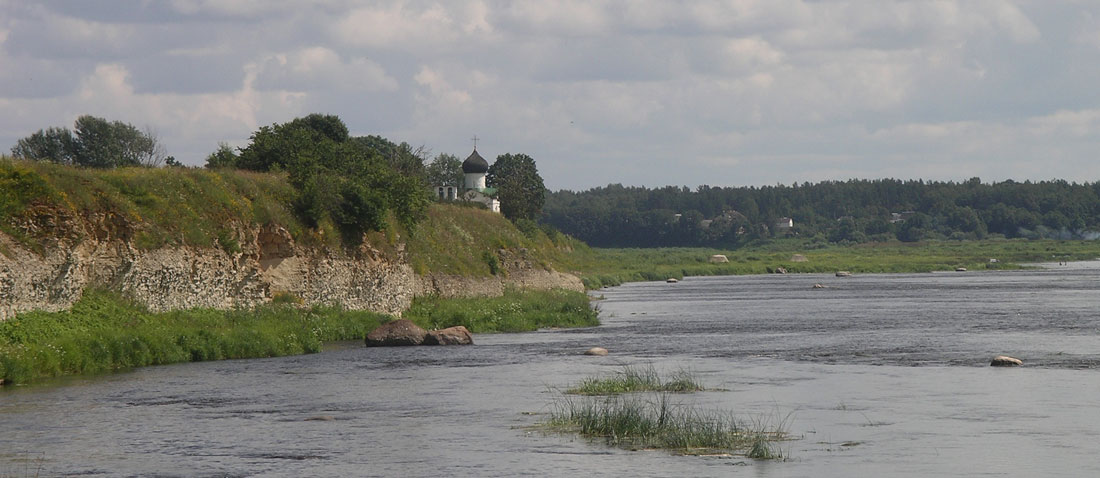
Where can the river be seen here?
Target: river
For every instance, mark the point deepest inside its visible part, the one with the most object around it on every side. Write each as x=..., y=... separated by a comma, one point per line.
x=874, y=375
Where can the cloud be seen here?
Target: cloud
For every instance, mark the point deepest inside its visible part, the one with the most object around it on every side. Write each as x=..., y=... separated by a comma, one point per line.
x=318, y=68
x=773, y=90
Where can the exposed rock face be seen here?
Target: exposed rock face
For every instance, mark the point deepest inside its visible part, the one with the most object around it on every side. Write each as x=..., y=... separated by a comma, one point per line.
x=457, y=335
x=399, y=332
x=1005, y=361
x=600, y=351
x=99, y=252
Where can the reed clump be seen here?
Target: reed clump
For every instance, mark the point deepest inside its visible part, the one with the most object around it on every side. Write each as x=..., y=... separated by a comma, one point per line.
x=637, y=379
x=655, y=421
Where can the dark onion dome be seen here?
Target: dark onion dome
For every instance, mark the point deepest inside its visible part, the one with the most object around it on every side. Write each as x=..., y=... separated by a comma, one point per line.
x=475, y=164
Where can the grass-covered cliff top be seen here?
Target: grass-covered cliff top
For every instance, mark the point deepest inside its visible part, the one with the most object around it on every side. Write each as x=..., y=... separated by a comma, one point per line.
x=41, y=202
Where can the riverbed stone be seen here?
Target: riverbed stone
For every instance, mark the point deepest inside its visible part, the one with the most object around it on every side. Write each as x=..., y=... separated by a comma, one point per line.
x=457, y=335
x=600, y=351
x=396, y=333
x=1005, y=361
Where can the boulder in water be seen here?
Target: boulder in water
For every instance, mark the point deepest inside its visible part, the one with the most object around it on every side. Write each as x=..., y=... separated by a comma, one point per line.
x=596, y=351
x=1005, y=361
x=457, y=335
x=843, y=274
x=399, y=332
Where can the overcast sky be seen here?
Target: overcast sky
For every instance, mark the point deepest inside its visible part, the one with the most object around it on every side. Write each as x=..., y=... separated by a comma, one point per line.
x=639, y=92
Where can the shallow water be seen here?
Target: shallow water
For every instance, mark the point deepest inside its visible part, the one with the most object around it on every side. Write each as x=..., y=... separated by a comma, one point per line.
x=875, y=375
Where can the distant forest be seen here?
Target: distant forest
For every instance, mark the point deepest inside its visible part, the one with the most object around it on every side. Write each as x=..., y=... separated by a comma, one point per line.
x=833, y=211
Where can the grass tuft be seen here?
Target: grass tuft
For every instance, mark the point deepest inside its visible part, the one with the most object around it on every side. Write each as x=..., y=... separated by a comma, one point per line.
x=657, y=422
x=634, y=379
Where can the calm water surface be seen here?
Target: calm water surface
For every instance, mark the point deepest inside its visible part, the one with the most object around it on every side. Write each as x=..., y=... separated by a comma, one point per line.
x=876, y=375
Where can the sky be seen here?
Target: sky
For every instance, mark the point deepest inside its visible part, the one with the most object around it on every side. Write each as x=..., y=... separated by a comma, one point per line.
x=640, y=92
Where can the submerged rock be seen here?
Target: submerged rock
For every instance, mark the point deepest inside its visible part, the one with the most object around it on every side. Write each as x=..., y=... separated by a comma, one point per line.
x=1005, y=361
x=457, y=335
x=397, y=333
x=819, y=286
x=596, y=351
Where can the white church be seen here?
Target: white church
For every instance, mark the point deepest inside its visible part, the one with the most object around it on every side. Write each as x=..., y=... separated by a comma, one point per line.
x=473, y=189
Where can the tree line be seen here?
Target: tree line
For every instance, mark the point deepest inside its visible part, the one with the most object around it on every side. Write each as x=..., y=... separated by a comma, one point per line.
x=353, y=183
x=833, y=211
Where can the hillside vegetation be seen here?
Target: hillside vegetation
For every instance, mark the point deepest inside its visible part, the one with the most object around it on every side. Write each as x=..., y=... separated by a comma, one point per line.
x=41, y=202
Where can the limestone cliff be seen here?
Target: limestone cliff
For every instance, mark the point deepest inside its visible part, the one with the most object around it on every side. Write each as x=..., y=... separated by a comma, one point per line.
x=266, y=262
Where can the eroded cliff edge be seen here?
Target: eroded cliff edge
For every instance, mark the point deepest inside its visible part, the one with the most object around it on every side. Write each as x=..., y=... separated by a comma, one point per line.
x=99, y=251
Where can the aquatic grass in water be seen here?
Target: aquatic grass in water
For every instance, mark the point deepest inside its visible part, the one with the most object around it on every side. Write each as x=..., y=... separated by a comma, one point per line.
x=637, y=379
x=656, y=422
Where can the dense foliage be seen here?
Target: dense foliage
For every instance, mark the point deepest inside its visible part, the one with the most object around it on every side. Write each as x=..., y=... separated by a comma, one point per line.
x=93, y=142
x=851, y=211
x=519, y=186
x=445, y=170
x=352, y=183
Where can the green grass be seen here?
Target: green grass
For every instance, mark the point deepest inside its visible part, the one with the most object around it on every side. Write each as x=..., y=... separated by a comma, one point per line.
x=609, y=267
x=515, y=311
x=654, y=421
x=152, y=207
x=636, y=379
x=104, y=332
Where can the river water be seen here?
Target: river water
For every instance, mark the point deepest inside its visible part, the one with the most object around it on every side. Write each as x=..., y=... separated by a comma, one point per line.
x=874, y=375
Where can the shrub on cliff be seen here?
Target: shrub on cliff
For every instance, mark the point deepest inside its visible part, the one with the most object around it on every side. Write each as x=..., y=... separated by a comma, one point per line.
x=349, y=182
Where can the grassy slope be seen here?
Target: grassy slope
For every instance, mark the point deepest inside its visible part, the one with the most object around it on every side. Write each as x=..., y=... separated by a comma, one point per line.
x=177, y=207
x=195, y=207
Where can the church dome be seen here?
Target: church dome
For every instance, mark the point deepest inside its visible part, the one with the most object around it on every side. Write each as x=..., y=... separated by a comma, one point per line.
x=475, y=164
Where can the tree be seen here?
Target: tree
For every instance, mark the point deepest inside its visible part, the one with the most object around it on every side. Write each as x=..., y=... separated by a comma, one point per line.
x=93, y=142
x=402, y=157
x=338, y=180
x=518, y=184
x=51, y=144
x=224, y=157
x=445, y=170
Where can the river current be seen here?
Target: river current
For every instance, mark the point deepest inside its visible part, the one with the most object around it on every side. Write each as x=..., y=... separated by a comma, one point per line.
x=873, y=375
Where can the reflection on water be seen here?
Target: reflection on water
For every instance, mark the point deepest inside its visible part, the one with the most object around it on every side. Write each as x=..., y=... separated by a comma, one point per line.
x=878, y=375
